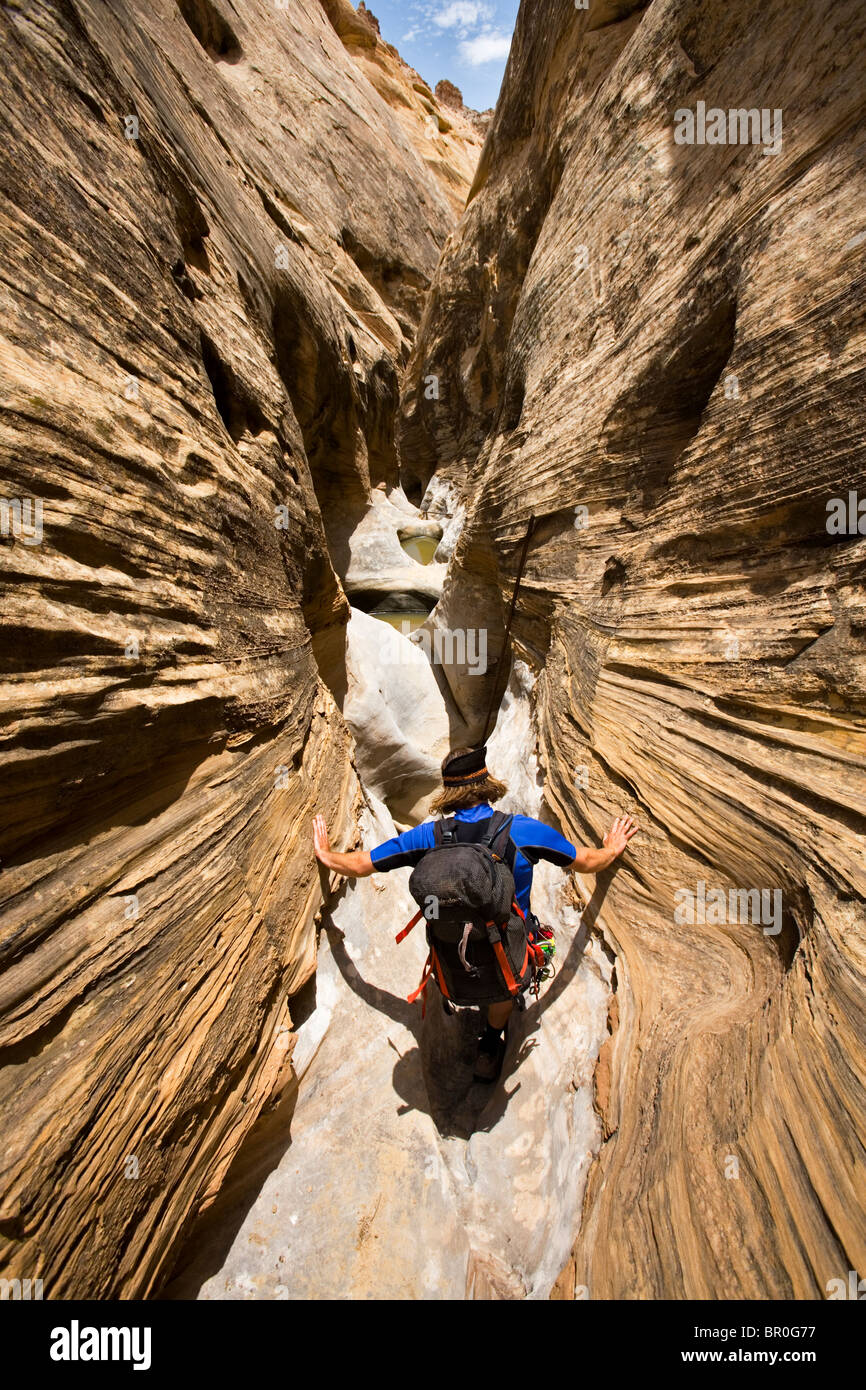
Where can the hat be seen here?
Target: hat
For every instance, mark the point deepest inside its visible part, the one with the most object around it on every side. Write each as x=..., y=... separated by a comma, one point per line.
x=466, y=769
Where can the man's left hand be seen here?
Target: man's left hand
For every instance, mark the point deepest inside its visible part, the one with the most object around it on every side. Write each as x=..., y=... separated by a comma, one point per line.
x=619, y=834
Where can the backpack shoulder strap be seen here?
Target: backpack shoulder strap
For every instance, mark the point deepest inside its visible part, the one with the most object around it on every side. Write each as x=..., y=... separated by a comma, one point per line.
x=498, y=829
x=444, y=832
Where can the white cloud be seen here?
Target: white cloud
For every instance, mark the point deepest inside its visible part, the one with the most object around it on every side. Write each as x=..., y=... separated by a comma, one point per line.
x=461, y=14
x=486, y=48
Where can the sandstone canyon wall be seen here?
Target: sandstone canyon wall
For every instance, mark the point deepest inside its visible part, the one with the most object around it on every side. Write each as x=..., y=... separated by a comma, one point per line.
x=446, y=135
x=222, y=225
x=658, y=349
x=217, y=238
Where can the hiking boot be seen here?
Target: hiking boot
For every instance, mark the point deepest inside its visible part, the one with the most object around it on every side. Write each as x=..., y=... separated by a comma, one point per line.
x=491, y=1054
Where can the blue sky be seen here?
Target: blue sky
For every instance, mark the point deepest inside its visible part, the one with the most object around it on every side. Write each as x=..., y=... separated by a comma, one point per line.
x=466, y=41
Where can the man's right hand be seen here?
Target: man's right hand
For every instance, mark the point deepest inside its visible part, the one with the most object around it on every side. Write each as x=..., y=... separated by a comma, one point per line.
x=356, y=864
x=321, y=842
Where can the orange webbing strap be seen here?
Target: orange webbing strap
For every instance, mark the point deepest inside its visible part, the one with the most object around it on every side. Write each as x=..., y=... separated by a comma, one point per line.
x=439, y=976
x=428, y=967
x=408, y=927
x=538, y=956
x=496, y=942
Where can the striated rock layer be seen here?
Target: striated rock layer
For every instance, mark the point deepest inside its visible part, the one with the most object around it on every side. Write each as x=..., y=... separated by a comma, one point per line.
x=658, y=349
x=217, y=241
x=394, y=1184
x=445, y=134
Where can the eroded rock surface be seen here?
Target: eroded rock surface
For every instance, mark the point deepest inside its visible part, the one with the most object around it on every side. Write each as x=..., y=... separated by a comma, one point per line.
x=399, y=715
x=446, y=135
x=658, y=350
x=217, y=238
x=220, y=225
x=405, y=1179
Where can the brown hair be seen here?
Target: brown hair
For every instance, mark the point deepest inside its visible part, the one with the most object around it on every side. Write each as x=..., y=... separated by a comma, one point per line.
x=452, y=799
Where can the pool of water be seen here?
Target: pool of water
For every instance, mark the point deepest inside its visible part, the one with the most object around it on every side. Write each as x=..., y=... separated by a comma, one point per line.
x=421, y=548
x=396, y=620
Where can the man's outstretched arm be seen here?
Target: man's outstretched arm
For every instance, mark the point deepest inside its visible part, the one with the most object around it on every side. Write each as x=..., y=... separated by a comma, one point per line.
x=592, y=861
x=356, y=864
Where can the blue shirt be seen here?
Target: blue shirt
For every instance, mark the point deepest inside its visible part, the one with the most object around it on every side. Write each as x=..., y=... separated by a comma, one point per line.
x=532, y=840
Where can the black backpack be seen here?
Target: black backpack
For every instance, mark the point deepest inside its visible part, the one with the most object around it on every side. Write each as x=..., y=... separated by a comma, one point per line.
x=480, y=949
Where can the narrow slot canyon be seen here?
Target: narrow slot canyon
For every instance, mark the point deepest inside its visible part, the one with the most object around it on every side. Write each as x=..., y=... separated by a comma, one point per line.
x=302, y=362
x=433, y=1150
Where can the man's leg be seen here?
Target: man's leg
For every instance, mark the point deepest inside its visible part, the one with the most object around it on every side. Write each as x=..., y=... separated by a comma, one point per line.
x=491, y=1049
x=499, y=1014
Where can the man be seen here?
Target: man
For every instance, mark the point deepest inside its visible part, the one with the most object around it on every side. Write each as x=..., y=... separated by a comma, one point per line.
x=468, y=793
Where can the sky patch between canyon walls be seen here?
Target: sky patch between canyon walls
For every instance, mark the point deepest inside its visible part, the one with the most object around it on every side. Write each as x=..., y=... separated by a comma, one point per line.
x=466, y=41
